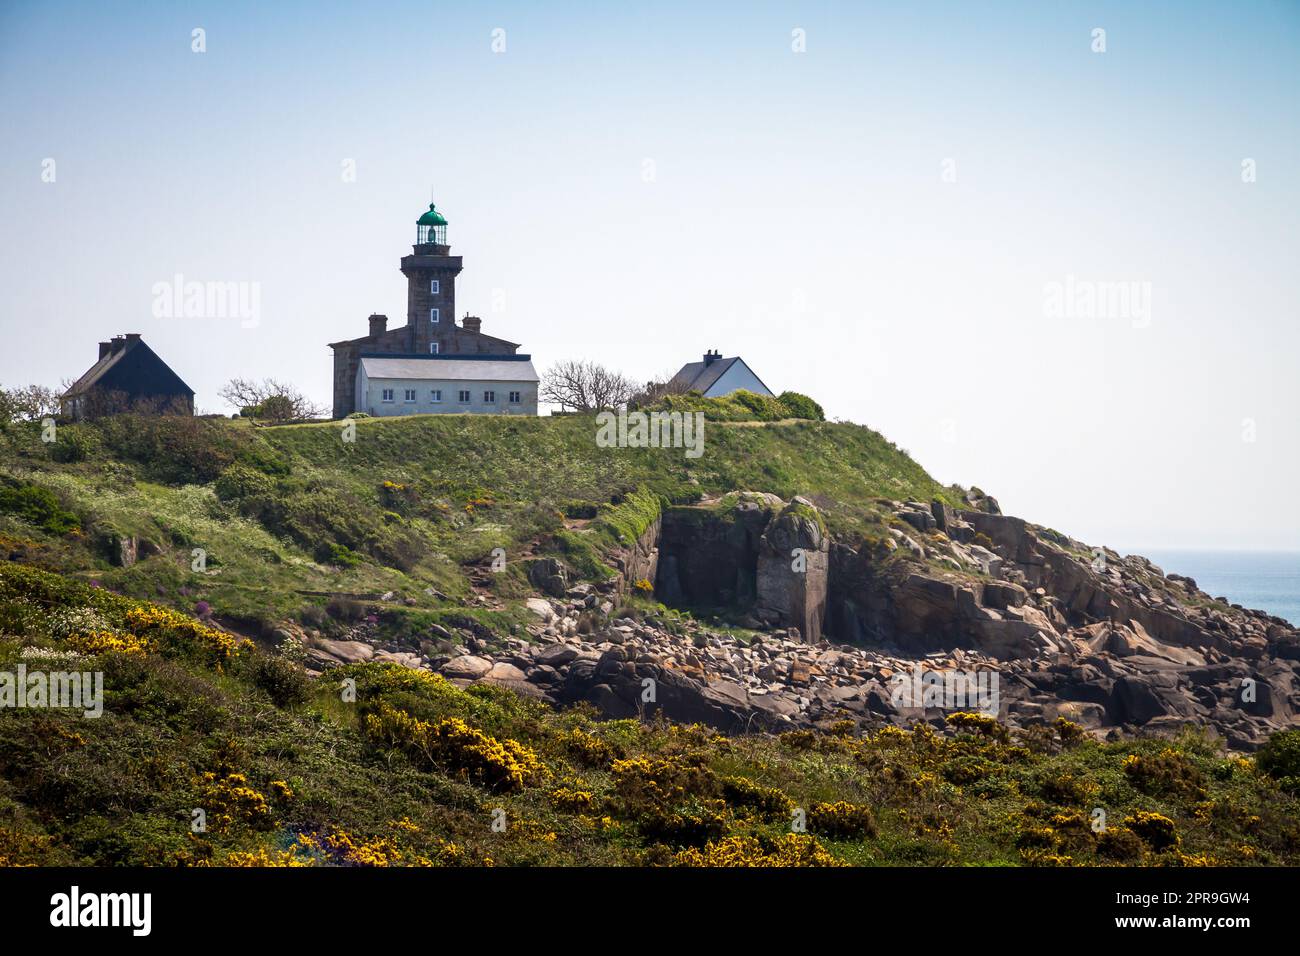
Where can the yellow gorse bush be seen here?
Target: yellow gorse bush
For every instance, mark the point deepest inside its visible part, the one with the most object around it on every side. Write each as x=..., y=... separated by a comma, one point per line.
x=230, y=800
x=262, y=857
x=172, y=627
x=979, y=724
x=104, y=642
x=374, y=852
x=454, y=745
x=572, y=801
x=793, y=849
x=842, y=820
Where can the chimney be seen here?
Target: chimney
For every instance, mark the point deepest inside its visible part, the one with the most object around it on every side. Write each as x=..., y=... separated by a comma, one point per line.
x=472, y=323
x=117, y=344
x=105, y=348
x=132, y=336
x=378, y=324
x=710, y=357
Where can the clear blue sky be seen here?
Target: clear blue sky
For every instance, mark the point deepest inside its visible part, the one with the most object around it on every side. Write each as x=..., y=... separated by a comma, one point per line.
x=798, y=214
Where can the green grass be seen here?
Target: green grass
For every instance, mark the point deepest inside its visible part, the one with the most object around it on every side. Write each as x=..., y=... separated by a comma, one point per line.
x=282, y=513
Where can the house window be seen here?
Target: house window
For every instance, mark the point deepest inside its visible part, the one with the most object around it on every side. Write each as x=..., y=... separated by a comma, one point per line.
x=435, y=395
x=489, y=397
x=463, y=397
x=514, y=398
x=433, y=348
x=433, y=286
x=410, y=395
x=433, y=316
x=388, y=394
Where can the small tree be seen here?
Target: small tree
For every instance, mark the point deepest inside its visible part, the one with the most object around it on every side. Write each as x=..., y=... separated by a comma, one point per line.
x=585, y=387
x=269, y=400
x=30, y=404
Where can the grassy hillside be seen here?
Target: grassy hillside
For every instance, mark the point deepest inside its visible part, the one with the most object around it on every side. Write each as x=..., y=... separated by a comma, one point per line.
x=412, y=771
x=284, y=516
x=405, y=768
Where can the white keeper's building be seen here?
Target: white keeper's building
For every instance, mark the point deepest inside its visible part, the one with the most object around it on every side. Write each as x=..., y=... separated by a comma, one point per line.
x=446, y=384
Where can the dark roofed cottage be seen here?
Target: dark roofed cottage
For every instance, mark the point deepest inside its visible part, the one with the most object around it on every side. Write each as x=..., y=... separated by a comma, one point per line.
x=128, y=376
x=717, y=376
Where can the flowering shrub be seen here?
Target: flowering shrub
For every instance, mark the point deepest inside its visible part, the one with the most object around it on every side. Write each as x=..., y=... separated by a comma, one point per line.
x=229, y=800
x=979, y=724
x=657, y=782
x=590, y=750
x=104, y=642
x=262, y=857
x=842, y=820
x=1155, y=829
x=768, y=801
x=174, y=630
x=1119, y=843
x=346, y=849
x=794, y=849
x=68, y=622
x=694, y=824
x=572, y=801
x=454, y=745
x=1169, y=771
x=21, y=849
x=1071, y=733
x=1033, y=856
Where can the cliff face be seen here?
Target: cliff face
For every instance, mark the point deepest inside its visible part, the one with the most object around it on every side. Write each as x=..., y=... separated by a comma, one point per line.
x=1111, y=643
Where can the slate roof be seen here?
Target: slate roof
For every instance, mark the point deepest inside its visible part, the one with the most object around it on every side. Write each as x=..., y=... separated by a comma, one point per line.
x=97, y=372
x=699, y=377
x=491, y=368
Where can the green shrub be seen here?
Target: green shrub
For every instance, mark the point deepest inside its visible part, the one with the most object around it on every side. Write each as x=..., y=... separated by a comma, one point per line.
x=1119, y=843
x=1280, y=759
x=343, y=556
x=38, y=505
x=801, y=406
x=239, y=481
x=284, y=682
x=73, y=443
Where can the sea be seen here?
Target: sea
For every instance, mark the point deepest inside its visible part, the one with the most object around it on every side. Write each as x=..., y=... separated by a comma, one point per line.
x=1268, y=580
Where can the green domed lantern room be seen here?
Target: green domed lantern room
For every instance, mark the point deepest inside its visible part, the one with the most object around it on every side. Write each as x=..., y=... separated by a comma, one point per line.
x=431, y=228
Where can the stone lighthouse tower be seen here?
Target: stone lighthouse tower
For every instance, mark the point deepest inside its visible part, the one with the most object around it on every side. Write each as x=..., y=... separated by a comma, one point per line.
x=431, y=272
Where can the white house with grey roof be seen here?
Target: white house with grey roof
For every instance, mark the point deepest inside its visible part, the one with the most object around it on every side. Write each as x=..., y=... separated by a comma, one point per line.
x=717, y=376
x=446, y=384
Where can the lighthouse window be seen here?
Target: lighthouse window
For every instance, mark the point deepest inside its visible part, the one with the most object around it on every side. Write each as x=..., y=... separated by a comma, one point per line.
x=433, y=286
x=433, y=315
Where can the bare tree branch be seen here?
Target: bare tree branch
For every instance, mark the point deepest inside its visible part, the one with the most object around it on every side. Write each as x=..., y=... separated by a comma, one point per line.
x=269, y=400
x=585, y=387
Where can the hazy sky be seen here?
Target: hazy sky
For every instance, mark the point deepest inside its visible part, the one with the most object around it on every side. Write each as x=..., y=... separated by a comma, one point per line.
x=877, y=221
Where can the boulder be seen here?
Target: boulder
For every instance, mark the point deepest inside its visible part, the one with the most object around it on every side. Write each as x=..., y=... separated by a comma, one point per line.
x=468, y=667
x=550, y=576
x=541, y=607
